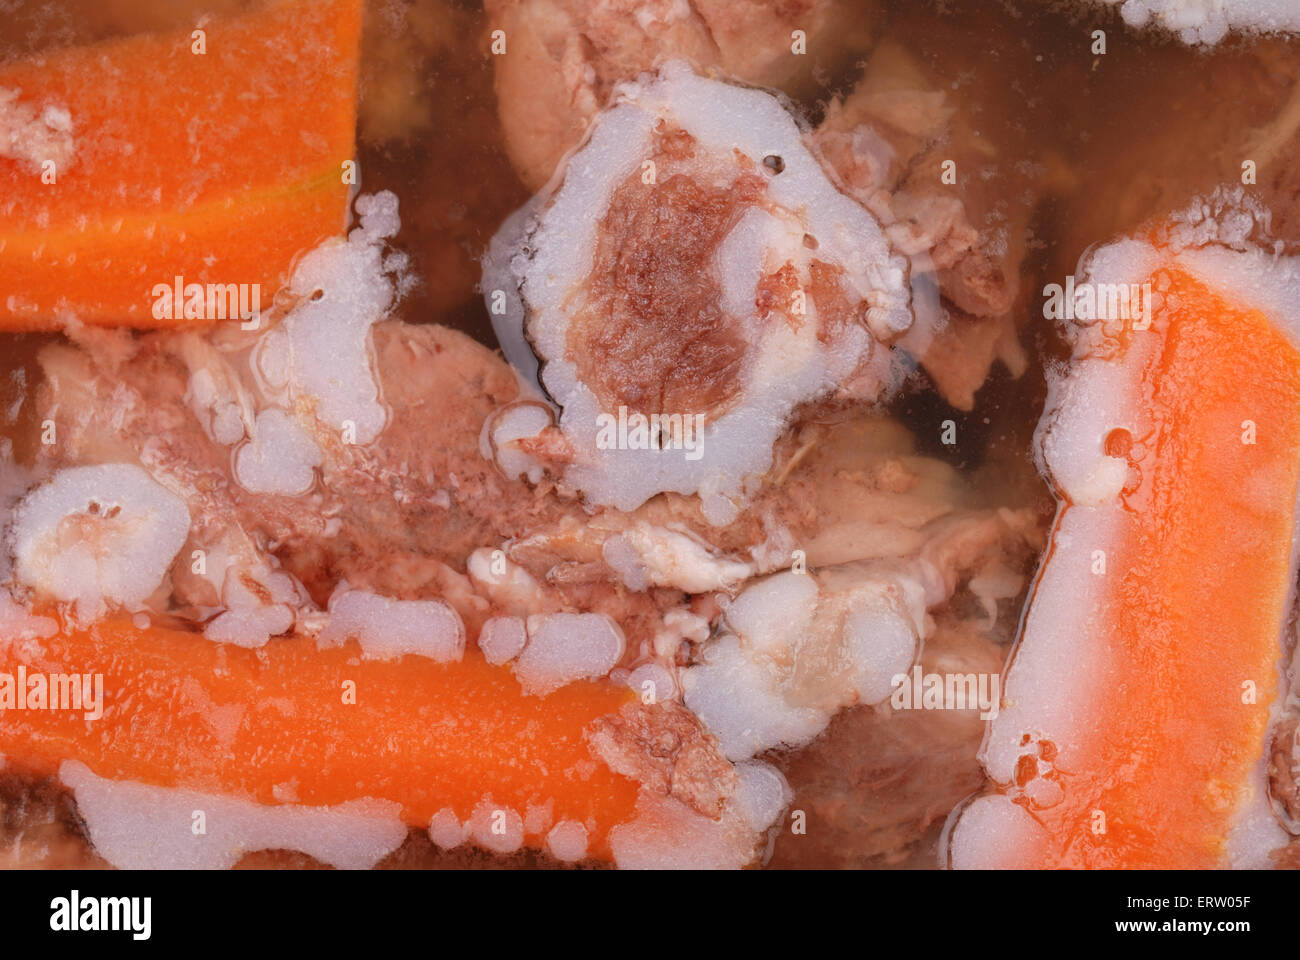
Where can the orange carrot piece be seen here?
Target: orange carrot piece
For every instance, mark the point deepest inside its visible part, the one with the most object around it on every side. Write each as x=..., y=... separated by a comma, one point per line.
x=217, y=167
x=181, y=711
x=1200, y=586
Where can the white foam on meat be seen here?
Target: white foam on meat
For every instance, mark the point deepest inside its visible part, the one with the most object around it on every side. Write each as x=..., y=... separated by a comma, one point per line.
x=321, y=352
x=762, y=795
x=668, y=835
x=567, y=841
x=259, y=601
x=653, y=682
x=97, y=536
x=280, y=456
x=136, y=826
x=564, y=647
x=495, y=827
x=502, y=639
x=989, y=833
x=388, y=629
x=741, y=701
x=513, y=422
x=446, y=830
x=797, y=650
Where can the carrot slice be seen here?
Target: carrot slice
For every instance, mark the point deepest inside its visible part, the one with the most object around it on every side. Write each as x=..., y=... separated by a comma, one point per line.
x=1138, y=700
x=181, y=711
x=216, y=167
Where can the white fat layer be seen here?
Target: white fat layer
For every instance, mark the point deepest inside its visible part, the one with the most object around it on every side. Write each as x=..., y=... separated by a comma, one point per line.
x=797, y=651
x=567, y=841
x=762, y=794
x=784, y=367
x=668, y=835
x=216, y=405
x=563, y=647
x=1209, y=21
x=250, y=626
x=495, y=827
x=253, y=612
x=97, y=536
x=772, y=610
x=1254, y=278
x=1087, y=406
x=624, y=560
x=516, y=421
x=1060, y=665
x=653, y=682
x=322, y=351
x=741, y=261
x=502, y=639
x=739, y=698
x=135, y=826
x=446, y=830
x=1255, y=832
x=989, y=833
x=1093, y=397
x=16, y=622
x=280, y=457
x=880, y=640
x=388, y=629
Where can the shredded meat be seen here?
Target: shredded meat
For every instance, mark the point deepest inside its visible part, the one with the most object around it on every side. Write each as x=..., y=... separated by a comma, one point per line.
x=665, y=748
x=1288, y=857
x=399, y=517
x=888, y=140
x=39, y=825
x=835, y=312
x=1284, y=767
x=564, y=57
x=653, y=336
x=776, y=292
